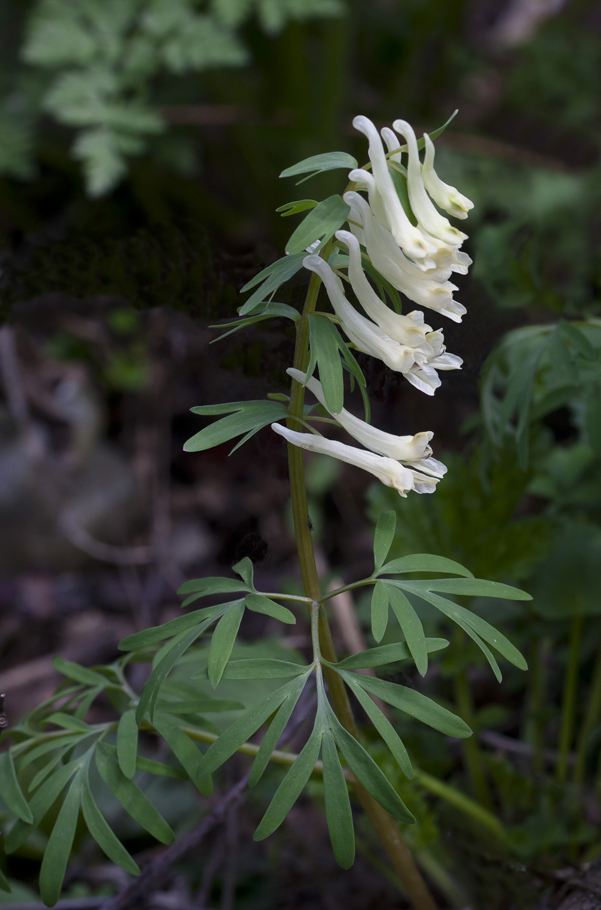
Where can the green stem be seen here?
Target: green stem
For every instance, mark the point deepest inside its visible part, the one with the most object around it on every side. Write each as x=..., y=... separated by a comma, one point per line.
x=470, y=747
x=570, y=691
x=383, y=824
x=591, y=718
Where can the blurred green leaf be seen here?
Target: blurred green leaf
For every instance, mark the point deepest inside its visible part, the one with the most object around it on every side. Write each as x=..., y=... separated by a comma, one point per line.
x=10, y=789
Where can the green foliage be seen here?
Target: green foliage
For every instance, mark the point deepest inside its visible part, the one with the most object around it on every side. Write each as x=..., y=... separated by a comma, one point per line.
x=320, y=224
x=248, y=418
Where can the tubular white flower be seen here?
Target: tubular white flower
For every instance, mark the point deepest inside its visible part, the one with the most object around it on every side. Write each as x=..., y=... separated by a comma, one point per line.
x=431, y=290
x=413, y=451
x=404, y=329
x=428, y=217
x=365, y=335
x=444, y=195
x=392, y=144
x=408, y=236
x=387, y=470
x=418, y=364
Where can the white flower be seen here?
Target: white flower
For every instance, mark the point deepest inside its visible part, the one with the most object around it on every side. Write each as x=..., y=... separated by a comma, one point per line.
x=418, y=364
x=429, y=289
x=409, y=329
x=414, y=451
x=428, y=217
x=408, y=237
x=447, y=197
x=387, y=470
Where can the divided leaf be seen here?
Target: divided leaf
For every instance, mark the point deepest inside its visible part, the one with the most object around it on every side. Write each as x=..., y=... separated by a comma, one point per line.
x=379, y=610
x=56, y=854
x=369, y=774
x=383, y=537
x=184, y=750
x=320, y=224
x=103, y=834
x=127, y=743
x=384, y=728
x=325, y=343
x=131, y=797
x=250, y=417
x=276, y=728
x=271, y=277
x=413, y=703
x=257, y=668
x=260, y=604
x=317, y=164
x=423, y=562
x=10, y=789
x=411, y=627
x=292, y=786
x=339, y=815
x=386, y=654
x=242, y=729
x=223, y=641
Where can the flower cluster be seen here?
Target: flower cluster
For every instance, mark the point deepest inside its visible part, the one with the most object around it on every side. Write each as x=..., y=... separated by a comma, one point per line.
x=399, y=232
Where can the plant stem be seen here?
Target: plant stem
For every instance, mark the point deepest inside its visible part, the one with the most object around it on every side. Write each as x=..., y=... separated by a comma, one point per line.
x=569, y=698
x=470, y=747
x=591, y=718
x=383, y=824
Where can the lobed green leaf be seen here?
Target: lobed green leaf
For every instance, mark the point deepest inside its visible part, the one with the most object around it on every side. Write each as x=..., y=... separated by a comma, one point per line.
x=252, y=418
x=127, y=743
x=131, y=797
x=272, y=277
x=423, y=562
x=339, y=815
x=276, y=728
x=103, y=834
x=321, y=223
x=223, y=641
x=10, y=789
x=56, y=854
x=386, y=654
x=411, y=627
x=384, y=728
x=317, y=164
x=383, y=537
x=260, y=604
x=184, y=750
x=379, y=610
x=291, y=787
x=415, y=704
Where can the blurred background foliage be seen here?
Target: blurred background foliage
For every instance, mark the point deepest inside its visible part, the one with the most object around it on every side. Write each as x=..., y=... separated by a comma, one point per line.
x=140, y=147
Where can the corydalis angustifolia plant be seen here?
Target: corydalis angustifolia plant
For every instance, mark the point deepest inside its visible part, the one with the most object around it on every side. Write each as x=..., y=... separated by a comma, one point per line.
x=398, y=245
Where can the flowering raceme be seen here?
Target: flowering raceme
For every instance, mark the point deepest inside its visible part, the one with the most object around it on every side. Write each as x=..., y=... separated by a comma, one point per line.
x=400, y=234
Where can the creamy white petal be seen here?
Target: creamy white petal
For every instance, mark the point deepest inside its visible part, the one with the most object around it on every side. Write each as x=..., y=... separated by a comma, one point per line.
x=363, y=333
x=401, y=448
x=428, y=217
x=387, y=470
x=392, y=144
x=401, y=328
x=389, y=260
x=447, y=197
x=407, y=236
x=424, y=377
